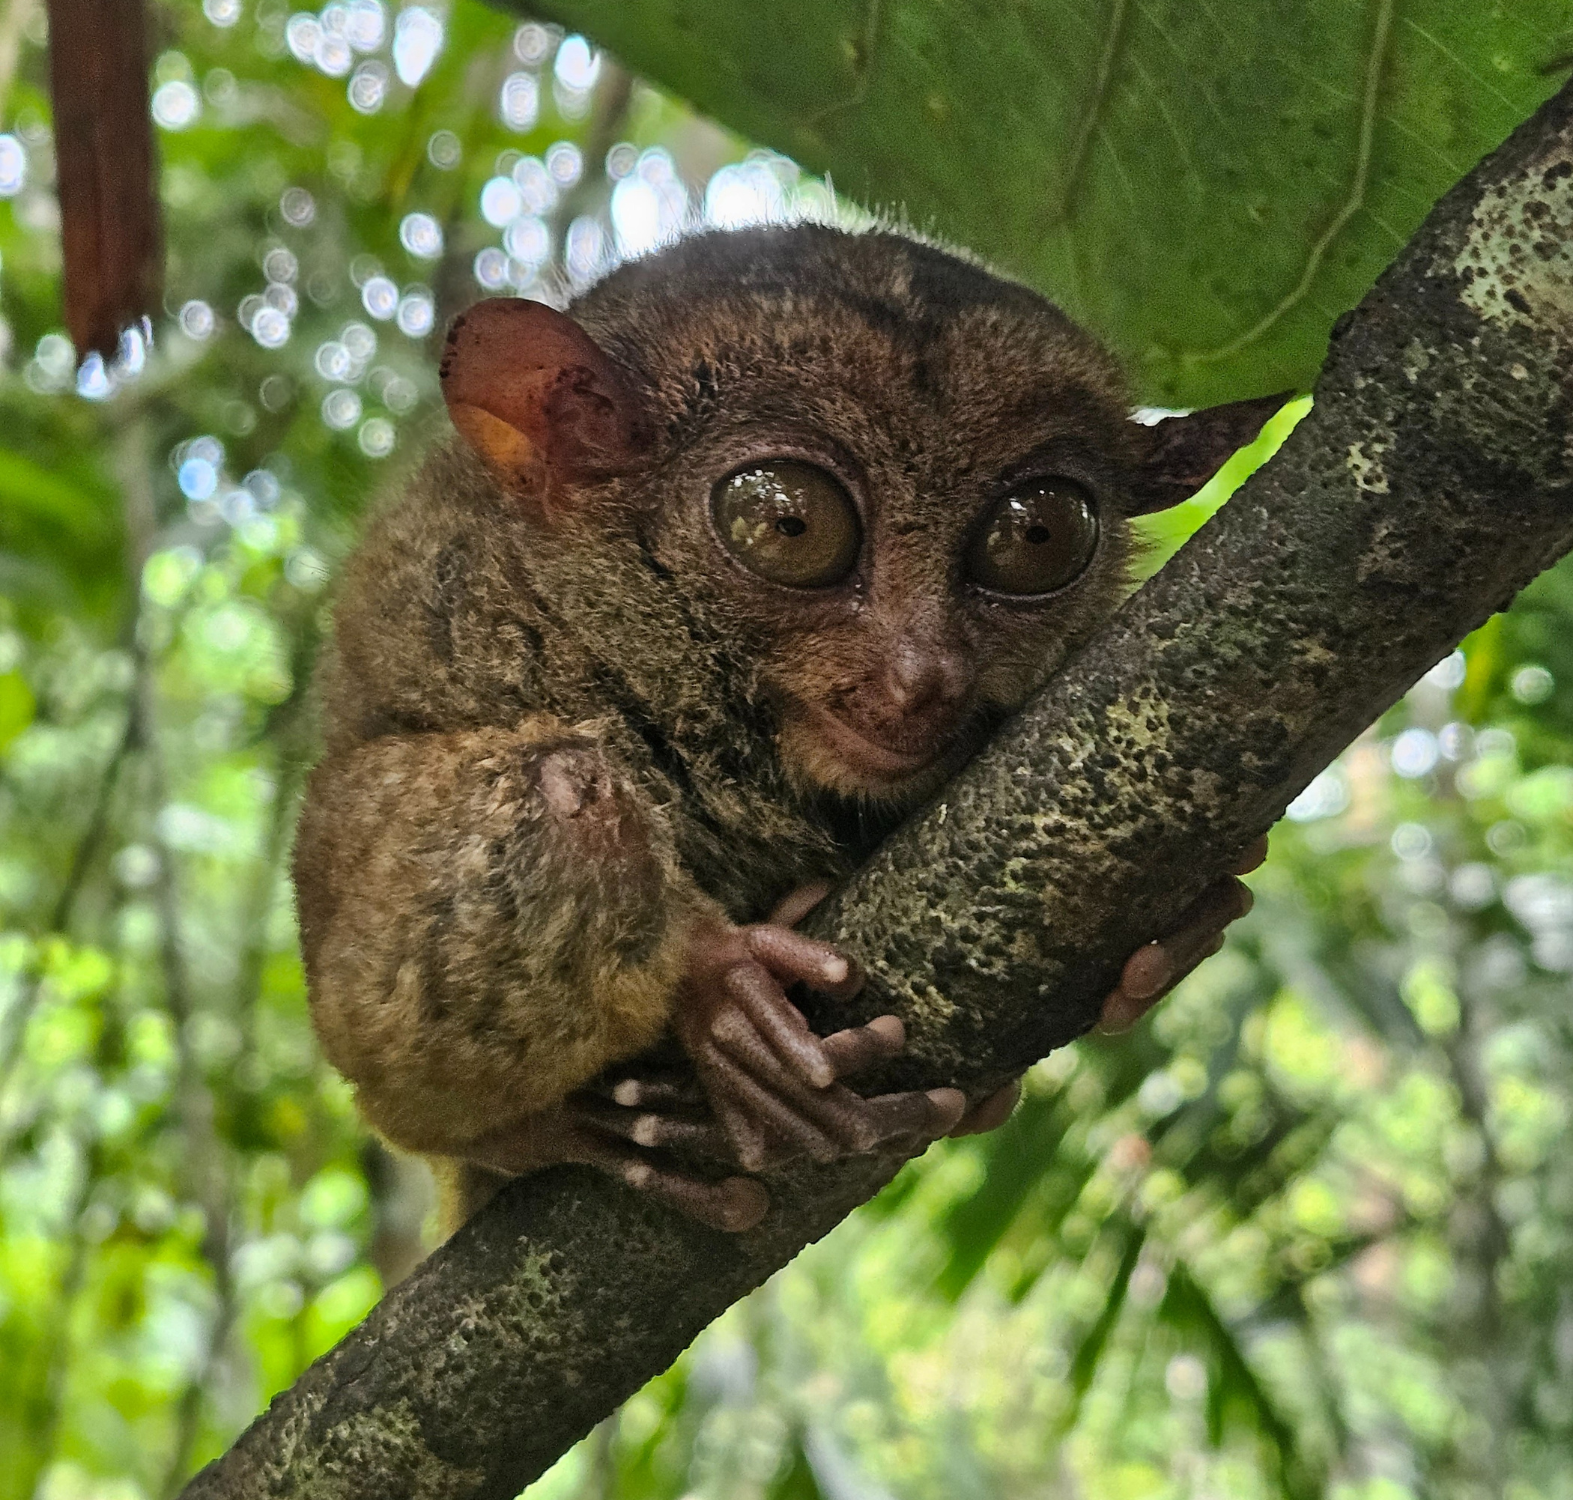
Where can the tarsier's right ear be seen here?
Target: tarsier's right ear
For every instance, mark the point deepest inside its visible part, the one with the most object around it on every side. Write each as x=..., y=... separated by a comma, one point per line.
x=1183, y=453
x=536, y=398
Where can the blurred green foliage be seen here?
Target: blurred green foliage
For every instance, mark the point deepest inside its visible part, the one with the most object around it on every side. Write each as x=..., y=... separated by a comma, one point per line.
x=1307, y=1231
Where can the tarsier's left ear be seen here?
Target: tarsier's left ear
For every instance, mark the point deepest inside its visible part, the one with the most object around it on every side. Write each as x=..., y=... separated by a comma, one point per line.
x=538, y=400
x=1183, y=453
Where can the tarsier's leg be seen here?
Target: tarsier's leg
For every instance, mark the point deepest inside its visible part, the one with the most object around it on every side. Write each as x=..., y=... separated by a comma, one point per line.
x=769, y=1090
x=763, y=1089
x=489, y=917
x=660, y=1114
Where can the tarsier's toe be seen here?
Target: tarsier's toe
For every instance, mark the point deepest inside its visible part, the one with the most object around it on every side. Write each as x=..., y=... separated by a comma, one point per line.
x=742, y=1203
x=991, y=1113
x=947, y=1106
x=1157, y=967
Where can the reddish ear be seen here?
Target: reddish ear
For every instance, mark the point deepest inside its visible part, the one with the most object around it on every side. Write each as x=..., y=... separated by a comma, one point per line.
x=534, y=396
x=1183, y=453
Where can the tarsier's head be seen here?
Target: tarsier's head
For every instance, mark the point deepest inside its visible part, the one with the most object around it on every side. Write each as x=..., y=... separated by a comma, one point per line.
x=903, y=484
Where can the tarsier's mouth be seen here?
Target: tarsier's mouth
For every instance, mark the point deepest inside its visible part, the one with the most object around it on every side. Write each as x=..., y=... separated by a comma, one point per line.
x=875, y=764
x=870, y=755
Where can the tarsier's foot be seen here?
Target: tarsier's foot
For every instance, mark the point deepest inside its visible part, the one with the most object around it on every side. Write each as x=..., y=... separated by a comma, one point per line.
x=1149, y=973
x=598, y=1133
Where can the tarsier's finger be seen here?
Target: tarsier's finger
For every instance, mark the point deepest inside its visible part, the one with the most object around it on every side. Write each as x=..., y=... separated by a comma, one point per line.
x=779, y=1023
x=1250, y=857
x=991, y=1113
x=1154, y=969
x=652, y=1131
x=733, y=1034
x=925, y=1116
x=1201, y=924
x=732, y=1205
x=857, y=1124
x=790, y=956
x=860, y=1047
x=654, y=1093
x=795, y=905
x=762, y=1125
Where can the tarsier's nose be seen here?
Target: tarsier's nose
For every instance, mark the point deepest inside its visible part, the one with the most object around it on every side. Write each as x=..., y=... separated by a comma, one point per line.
x=924, y=677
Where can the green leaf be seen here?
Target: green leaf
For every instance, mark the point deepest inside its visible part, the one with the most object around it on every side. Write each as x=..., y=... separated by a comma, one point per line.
x=1084, y=1363
x=1207, y=186
x=1233, y=1385
x=796, y=1481
x=16, y=706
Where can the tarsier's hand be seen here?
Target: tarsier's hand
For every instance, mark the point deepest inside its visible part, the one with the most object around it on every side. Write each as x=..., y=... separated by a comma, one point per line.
x=773, y=1085
x=1151, y=972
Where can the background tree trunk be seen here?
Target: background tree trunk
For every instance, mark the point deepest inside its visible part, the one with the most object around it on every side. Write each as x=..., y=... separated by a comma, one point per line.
x=1432, y=480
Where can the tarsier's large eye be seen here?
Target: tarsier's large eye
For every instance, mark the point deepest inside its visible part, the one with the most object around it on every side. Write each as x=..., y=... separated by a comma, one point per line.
x=787, y=521
x=1039, y=538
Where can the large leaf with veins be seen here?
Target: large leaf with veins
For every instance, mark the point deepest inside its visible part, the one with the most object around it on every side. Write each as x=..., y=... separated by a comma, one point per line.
x=1206, y=183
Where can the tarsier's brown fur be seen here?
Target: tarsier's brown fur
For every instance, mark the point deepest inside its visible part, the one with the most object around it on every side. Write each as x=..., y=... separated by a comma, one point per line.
x=482, y=939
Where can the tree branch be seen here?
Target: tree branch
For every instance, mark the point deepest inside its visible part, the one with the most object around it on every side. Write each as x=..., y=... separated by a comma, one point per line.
x=1432, y=480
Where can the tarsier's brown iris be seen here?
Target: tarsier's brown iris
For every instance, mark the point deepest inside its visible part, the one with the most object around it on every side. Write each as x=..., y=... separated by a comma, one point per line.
x=1039, y=538
x=789, y=522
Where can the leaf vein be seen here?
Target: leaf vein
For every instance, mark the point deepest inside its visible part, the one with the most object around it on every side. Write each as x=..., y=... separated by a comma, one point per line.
x=1113, y=40
x=1354, y=200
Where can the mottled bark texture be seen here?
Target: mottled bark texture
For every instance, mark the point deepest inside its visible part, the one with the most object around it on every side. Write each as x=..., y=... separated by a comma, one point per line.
x=1433, y=479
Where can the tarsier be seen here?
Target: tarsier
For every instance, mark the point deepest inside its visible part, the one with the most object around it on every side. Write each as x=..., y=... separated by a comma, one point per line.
x=727, y=569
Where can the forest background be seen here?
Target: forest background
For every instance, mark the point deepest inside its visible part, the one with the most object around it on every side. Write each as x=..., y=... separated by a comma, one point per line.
x=1306, y=1231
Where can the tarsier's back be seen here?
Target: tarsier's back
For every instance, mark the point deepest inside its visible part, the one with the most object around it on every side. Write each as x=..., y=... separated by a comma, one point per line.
x=727, y=568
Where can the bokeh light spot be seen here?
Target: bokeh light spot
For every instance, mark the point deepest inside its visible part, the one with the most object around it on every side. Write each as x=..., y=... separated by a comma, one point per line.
x=417, y=312
x=564, y=162
x=500, y=201
x=421, y=235
x=529, y=240
x=197, y=320
x=444, y=150
x=270, y=328
x=380, y=297
x=519, y=101
x=13, y=166
x=417, y=39
x=341, y=409
x=531, y=43
x=491, y=269
x=376, y=437
x=368, y=87
x=176, y=105
x=297, y=206
x=576, y=65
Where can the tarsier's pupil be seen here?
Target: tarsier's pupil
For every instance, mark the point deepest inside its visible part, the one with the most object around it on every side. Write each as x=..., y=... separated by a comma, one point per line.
x=789, y=522
x=1036, y=540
